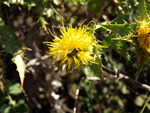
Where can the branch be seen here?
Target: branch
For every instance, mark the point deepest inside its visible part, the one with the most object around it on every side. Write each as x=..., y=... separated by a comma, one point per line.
x=122, y=77
x=56, y=11
x=125, y=78
x=77, y=95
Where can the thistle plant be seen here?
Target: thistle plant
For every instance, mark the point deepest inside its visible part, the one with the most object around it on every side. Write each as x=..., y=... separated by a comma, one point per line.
x=120, y=38
x=137, y=32
x=74, y=47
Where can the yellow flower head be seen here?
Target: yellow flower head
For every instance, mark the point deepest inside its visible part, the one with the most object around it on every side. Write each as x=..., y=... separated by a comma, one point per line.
x=74, y=47
x=143, y=34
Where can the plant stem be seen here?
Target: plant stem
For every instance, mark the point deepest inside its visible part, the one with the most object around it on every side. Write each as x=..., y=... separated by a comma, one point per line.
x=145, y=104
x=138, y=73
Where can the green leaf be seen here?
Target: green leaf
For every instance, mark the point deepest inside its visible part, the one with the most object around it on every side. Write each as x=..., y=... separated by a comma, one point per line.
x=2, y=97
x=142, y=12
x=9, y=39
x=121, y=29
x=125, y=90
x=96, y=67
x=43, y=23
x=15, y=89
x=88, y=72
x=21, y=107
x=120, y=19
x=139, y=101
x=119, y=45
x=107, y=42
x=122, y=48
x=7, y=109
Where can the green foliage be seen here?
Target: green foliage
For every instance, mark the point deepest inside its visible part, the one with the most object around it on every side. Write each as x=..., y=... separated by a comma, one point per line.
x=96, y=67
x=8, y=38
x=109, y=96
x=96, y=5
x=120, y=29
x=15, y=89
x=20, y=106
x=12, y=106
x=142, y=12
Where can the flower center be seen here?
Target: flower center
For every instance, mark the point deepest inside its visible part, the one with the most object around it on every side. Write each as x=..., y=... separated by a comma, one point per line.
x=72, y=52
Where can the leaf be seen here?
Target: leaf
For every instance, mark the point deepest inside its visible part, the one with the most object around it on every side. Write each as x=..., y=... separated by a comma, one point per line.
x=96, y=67
x=120, y=19
x=15, y=89
x=121, y=29
x=20, y=66
x=7, y=109
x=8, y=2
x=139, y=101
x=8, y=38
x=2, y=97
x=142, y=12
x=21, y=107
x=43, y=23
x=88, y=72
x=125, y=90
x=120, y=46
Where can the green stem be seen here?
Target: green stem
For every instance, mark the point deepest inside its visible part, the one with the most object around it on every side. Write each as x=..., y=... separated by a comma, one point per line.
x=138, y=73
x=145, y=104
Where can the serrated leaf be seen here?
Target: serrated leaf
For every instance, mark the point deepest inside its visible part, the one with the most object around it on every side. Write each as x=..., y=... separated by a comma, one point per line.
x=142, y=12
x=96, y=67
x=121, y=29
x=122, y=48
x=108, y=40
x=20, y=66
x=88, y=72
x=120, y=19
x=15, y=89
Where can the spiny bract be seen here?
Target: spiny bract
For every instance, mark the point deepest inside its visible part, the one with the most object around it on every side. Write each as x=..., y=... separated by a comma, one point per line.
x=143, y=34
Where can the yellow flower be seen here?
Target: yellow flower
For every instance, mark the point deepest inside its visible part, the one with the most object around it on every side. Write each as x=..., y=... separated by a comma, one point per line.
x=74, y=47
x=143, y=34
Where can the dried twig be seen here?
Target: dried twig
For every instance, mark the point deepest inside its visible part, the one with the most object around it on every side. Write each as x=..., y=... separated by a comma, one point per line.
x=77, y=95
x=120, y=76
x=125, y=78
x=56, y=11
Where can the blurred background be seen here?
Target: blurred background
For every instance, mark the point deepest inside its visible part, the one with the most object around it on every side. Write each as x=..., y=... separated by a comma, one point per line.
x=24, y=25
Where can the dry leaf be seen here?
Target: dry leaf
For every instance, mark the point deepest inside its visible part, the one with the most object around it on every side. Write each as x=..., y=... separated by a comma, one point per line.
x=20, y=65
